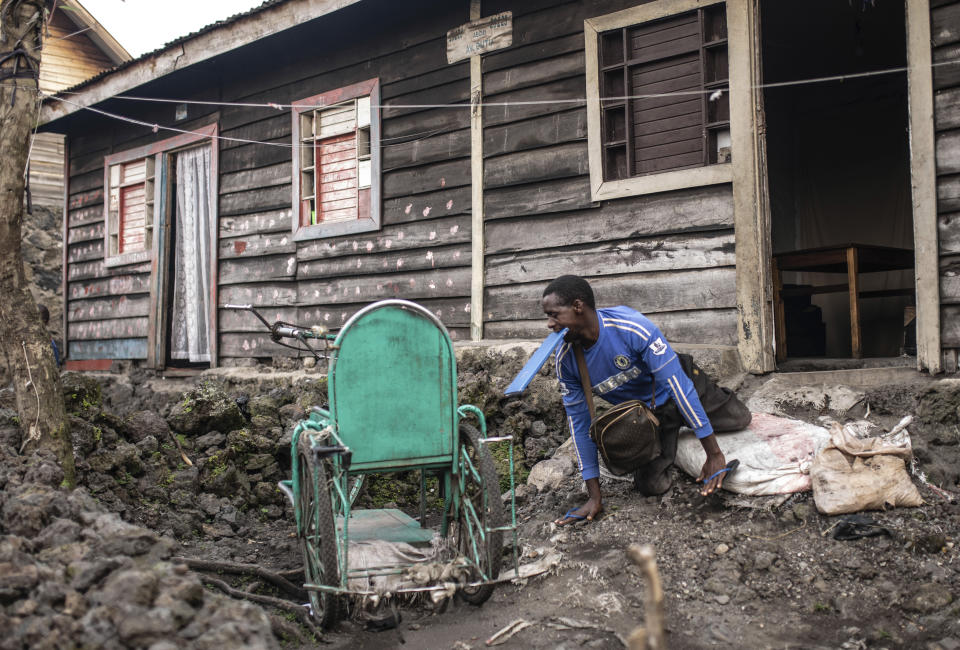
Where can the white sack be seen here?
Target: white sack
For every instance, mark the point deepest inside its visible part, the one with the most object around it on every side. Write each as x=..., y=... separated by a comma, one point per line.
x=775, y=455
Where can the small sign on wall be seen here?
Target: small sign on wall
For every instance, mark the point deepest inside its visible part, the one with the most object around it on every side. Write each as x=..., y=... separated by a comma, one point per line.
x=480, y=36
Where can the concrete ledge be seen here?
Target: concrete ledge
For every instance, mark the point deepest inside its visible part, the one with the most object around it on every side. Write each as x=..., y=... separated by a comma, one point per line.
x=859, y=378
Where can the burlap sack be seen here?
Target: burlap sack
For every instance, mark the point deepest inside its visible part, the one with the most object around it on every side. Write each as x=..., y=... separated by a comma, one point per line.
x=852, y=474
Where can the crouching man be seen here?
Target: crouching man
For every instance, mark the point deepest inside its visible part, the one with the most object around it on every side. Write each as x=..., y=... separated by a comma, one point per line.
x=628, y=358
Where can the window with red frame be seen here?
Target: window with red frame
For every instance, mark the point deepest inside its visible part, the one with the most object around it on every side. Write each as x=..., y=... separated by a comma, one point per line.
x=130, y=208
x=337, y=162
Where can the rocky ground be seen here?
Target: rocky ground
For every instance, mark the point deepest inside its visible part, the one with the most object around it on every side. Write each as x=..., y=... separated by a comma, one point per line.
x=169, y=475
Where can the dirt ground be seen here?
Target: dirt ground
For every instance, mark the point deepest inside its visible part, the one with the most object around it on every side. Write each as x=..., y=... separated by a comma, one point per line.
x=737, y=572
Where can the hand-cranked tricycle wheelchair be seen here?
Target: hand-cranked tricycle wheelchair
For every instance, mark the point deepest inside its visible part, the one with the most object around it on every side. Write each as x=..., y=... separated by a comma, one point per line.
x=392, y=389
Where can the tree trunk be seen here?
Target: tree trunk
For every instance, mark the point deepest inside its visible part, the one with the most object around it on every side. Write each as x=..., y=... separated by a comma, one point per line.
x=24, y=339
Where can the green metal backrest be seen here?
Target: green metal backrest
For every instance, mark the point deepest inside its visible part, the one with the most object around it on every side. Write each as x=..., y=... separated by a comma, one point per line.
x=393, y=389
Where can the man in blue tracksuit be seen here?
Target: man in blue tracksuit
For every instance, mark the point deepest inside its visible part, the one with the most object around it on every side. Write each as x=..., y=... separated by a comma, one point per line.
x=628, y=358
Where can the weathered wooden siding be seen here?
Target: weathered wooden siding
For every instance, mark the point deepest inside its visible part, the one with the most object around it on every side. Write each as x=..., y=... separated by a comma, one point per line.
x=421, y=252
x=945, y=34
x=670, y=255
x=107, y=307
x=67, y=59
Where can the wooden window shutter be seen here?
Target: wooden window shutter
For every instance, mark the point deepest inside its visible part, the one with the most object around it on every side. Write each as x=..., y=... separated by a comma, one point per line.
x=658, y=111
x=130, y=220
x=667, y=130
x=337, y=178
x=337, y=161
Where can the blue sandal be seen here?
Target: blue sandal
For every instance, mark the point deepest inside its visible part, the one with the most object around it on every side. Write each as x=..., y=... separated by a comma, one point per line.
x=732, y=465
x=570, y=515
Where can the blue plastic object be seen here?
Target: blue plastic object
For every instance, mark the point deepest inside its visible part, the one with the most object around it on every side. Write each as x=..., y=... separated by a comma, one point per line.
x=732, y=465
x=532, y=367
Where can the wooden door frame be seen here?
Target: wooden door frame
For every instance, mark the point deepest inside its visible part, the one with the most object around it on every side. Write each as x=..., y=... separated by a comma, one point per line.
x=751, y=197
x=157, y=318
x=923, y=184
x=751, y=209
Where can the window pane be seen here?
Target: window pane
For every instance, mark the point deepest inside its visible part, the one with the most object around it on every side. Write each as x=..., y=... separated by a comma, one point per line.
x=613, y=88
x=134, y=172
x=306, y=125
x=719, y=145
x=715, y=64
x=363, y=173
x=337, y=121
x=363, y=143
x=718, y=108
x=715, y=23
x=363, y=112
x=615, y=162
x=615, y=124
x=611, y=47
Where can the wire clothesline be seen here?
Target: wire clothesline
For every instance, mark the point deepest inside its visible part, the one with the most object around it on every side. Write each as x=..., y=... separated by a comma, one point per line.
x=415, y=137
x=534, y=102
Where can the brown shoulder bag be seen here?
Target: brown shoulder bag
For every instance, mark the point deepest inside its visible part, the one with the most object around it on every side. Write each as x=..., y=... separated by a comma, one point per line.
x=627, y=435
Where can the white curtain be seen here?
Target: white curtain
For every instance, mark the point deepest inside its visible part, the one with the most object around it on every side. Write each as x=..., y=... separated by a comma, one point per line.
x=190, y=318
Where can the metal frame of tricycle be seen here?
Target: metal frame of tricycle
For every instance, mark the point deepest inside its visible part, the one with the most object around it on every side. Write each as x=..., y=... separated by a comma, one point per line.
x=322, y=431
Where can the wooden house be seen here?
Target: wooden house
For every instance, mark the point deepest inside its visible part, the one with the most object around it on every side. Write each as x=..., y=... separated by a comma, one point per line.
x=696, y=159
x=75, y=48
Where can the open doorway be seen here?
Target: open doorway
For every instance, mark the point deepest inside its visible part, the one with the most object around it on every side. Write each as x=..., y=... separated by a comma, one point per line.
x=839, y=177
x=188, y=279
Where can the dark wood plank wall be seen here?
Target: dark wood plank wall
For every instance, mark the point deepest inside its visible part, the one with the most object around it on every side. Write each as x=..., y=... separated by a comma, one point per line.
x=945, y=33
x=670, y=255
x=421, y=252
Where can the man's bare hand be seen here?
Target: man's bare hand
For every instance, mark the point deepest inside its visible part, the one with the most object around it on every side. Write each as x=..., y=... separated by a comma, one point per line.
x=715, y=462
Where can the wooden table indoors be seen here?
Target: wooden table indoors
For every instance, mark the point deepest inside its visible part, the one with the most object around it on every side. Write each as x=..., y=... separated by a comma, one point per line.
x=852, y=259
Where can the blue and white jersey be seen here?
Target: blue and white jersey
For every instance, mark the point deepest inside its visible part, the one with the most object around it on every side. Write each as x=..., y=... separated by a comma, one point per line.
x=630, y=360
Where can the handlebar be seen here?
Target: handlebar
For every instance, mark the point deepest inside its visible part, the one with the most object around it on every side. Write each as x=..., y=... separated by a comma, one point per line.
x=281, y=330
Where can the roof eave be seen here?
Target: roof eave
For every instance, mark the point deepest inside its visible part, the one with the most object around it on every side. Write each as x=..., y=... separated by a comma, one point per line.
x=96, y=32
x=191, y=51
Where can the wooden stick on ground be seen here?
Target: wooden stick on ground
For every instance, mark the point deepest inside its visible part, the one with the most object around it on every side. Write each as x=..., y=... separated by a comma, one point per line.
x=650, y=636
x=272, y=577
x=183, y=454
x=279, y=603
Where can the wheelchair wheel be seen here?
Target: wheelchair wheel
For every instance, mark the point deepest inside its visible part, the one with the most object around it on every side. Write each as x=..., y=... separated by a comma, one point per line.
x=477, y=513
x=318, y=536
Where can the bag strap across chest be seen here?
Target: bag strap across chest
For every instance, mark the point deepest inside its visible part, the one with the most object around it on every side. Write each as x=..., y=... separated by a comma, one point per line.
x=587, y=388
